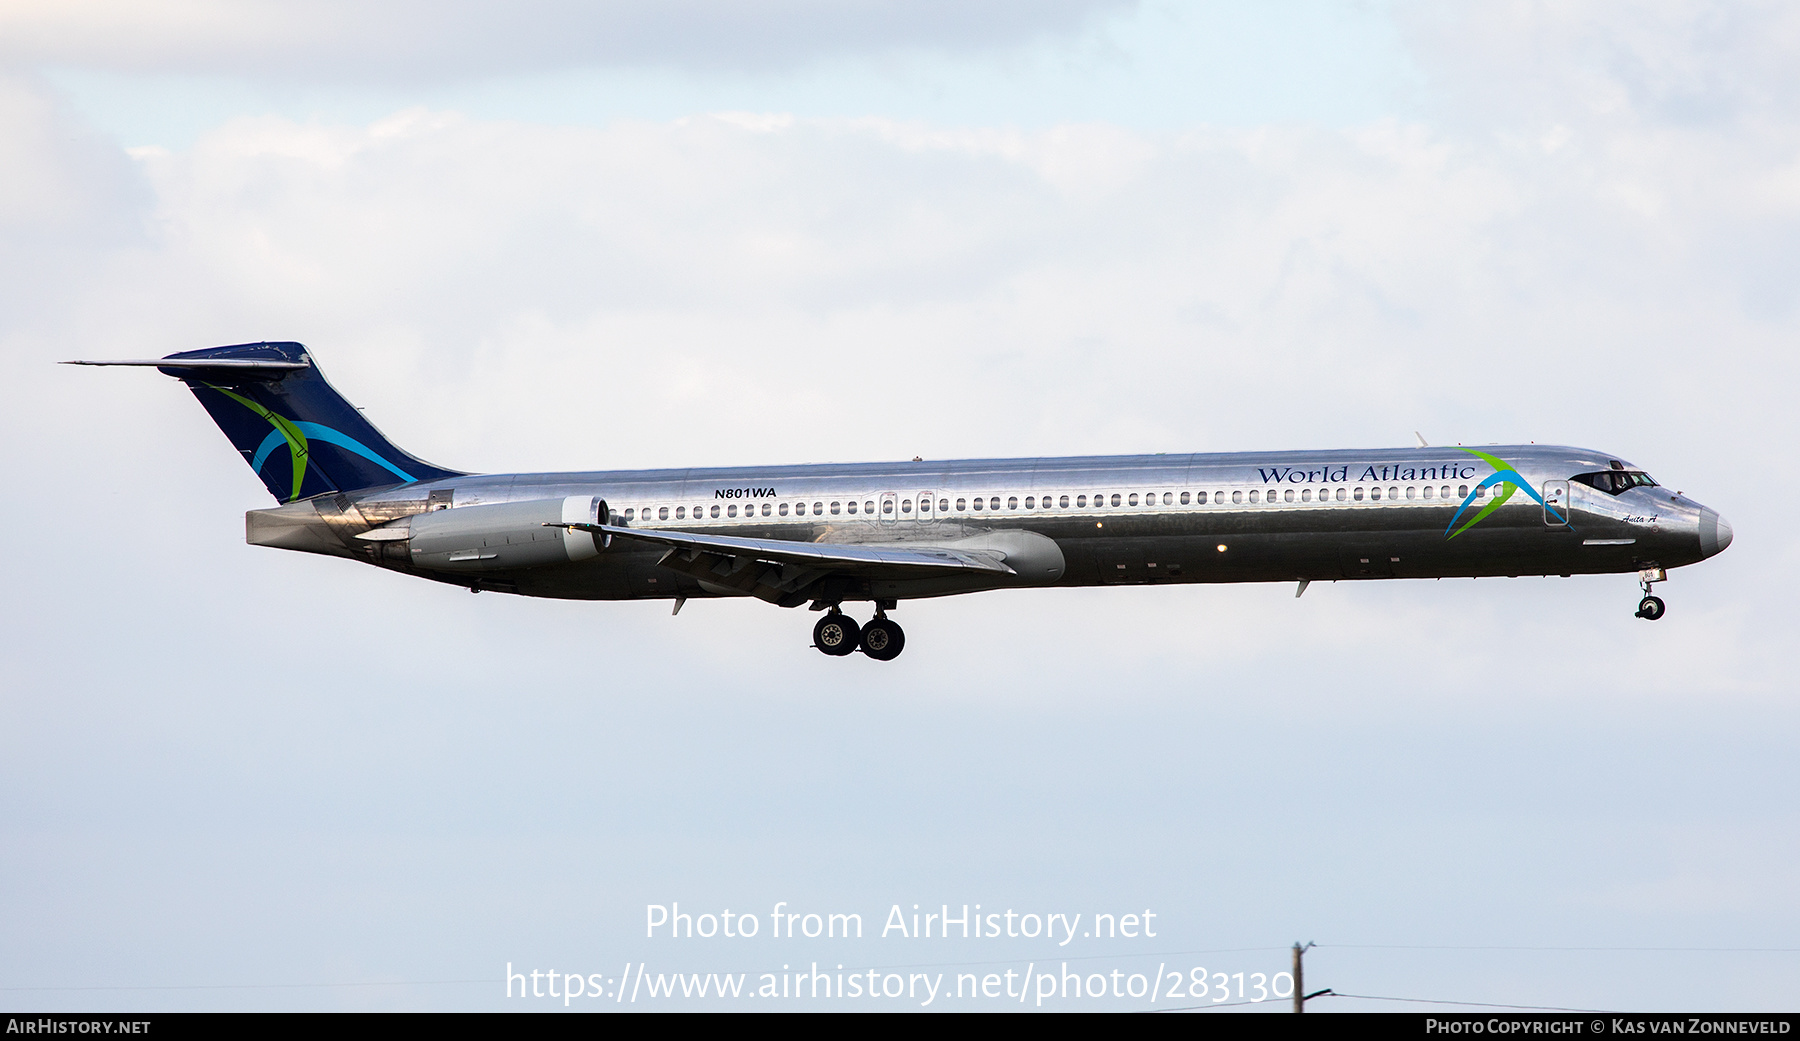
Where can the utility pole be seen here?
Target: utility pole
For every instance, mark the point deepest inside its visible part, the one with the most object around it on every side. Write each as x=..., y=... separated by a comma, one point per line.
x=1301, y=997
x=1299, y=977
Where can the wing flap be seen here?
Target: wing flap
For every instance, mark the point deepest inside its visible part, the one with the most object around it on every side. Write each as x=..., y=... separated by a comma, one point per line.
x=835, y=557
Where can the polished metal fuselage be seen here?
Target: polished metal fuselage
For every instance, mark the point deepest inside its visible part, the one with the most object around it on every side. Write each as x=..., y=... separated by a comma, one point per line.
x=1237, y=517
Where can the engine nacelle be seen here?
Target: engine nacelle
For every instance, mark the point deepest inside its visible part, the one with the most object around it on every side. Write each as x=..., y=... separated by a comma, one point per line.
x=507, y=535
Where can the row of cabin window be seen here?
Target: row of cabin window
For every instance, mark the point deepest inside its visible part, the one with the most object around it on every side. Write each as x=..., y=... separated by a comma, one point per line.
x=768, y=510
x=1254, y=495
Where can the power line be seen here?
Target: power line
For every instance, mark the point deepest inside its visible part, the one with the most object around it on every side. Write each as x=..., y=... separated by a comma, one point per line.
x=1203, y=1008
x=1472, y=1004
x=261, y=986
x=1452, y=947
x=1005, y=961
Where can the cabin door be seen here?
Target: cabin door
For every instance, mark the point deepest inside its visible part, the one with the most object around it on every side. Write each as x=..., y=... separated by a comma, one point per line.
x=1556, y=504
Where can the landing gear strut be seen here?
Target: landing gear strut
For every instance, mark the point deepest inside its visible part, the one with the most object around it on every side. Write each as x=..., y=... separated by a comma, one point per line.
x=837, y=634
x=1650, y=608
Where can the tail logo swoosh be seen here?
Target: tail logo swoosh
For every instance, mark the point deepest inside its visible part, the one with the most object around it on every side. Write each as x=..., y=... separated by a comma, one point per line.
x=1504, y=474
x=298, y=435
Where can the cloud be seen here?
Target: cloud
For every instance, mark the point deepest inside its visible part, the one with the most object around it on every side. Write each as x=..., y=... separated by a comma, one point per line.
x=1667, y=62
x=341, y=41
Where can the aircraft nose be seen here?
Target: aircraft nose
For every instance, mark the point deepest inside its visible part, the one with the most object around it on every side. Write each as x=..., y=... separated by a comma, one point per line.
x=1715, y=533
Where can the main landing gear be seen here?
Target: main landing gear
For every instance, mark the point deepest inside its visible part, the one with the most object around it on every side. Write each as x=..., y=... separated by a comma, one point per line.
x=1650, y=608
x=837, y=634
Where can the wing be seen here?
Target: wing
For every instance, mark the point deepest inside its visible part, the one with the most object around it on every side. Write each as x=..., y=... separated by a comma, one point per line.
x=780, y=571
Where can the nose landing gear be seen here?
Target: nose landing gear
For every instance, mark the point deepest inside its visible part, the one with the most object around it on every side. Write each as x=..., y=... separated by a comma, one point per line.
x=1650, y=608
x=837, y=634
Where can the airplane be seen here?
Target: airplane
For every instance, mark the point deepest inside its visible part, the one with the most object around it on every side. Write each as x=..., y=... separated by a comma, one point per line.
x=827, y=535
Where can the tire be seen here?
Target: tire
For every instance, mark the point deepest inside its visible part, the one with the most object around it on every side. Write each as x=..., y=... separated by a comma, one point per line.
x=837, y=635
x=883, y=640
x=1650, y=608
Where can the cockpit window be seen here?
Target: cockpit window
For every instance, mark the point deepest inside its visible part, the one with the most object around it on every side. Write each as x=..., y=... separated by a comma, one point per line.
x=1615, y=481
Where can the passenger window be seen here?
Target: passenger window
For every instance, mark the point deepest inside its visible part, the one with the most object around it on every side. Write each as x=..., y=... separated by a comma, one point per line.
x=782, y=509
x=680, y=512
x=994, y=503
x=1269, y=496
x=887, y=505
x=1115, y=499
x=1427, y=491
x=818, y=509
x=800, y=509
x=1133, y=500
x=943, y=505
x=835, y=509
x=868, y=506
x=1357, y=494
x=731, y=511
x=1237, y=496
x=628, y=514
x=715, y=511
x=1012, y=502
x=1394, y=492
x=1218, y=497
x=1081, y=502
x=766, y=508
x=980, y=504
x=1253, y=497
x=1342, y=495
x=1306, y=495
x=662, y=513
x=1184, y=498
x=1444, y=492
x=851, y=506
x=961, y=505
x=1030, y=501
x=1375, y=494
x=906, y=506
x=1288, y=495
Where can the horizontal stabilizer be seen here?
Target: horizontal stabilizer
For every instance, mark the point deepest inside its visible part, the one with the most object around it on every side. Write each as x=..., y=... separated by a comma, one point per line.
x=236, y=367
x=297, y=433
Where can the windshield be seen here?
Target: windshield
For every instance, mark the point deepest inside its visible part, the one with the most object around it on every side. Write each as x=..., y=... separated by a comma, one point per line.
x=1613, y=482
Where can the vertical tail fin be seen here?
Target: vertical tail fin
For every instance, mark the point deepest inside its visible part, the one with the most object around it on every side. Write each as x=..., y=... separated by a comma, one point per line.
x=299, y=435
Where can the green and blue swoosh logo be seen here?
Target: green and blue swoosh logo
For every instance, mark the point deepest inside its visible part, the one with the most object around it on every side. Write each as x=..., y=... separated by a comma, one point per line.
x=299, y=435
x=1504, y=474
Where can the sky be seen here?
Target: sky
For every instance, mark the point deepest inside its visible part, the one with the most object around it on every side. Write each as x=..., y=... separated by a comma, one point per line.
x=581, y=236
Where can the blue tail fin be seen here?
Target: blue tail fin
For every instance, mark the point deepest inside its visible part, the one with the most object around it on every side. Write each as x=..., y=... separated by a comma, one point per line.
x=299, y=435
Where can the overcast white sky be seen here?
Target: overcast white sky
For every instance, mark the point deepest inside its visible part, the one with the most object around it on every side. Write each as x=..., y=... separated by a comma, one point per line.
x=558, y=236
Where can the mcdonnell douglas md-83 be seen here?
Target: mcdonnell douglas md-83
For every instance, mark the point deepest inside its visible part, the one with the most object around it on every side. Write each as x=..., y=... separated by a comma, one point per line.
x=879, y=533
